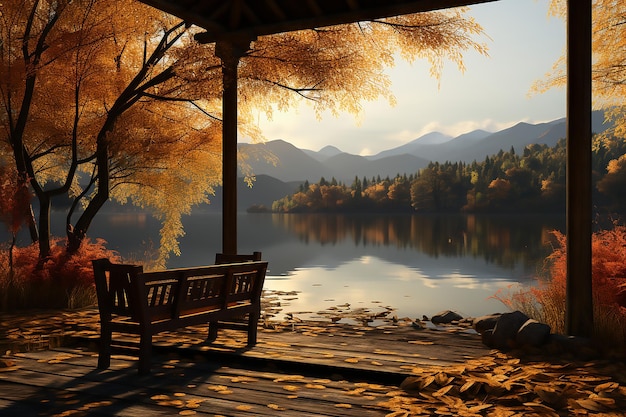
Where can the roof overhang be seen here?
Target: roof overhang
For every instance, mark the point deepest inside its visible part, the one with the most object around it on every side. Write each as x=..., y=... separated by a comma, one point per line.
x=248, y=19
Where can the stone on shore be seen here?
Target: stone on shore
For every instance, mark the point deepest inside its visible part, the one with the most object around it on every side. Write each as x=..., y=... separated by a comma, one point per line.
x=505, y=332
x=533, y=334
x=446, y=317
x=488, y=322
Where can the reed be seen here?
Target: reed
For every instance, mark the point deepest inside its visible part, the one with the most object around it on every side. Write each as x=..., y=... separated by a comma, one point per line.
x=546, y=300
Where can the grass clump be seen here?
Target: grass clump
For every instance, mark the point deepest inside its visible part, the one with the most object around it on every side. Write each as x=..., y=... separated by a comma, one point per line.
x=545, y=301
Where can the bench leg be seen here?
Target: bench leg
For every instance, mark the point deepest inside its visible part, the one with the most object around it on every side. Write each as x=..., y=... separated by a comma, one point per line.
x=213, y=327
x=145, y=353
x=253, y=322
x=104, y=350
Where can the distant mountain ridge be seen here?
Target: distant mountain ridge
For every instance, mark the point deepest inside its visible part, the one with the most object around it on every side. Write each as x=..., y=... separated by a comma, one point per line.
x=295, y=166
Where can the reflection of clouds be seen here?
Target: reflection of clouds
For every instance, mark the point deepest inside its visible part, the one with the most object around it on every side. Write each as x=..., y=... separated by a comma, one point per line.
x=405, y=274
x=471, y=282
x=370, y=282
x=429, y=282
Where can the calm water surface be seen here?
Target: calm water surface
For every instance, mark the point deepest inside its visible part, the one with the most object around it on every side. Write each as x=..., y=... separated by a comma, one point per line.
x=418, y=264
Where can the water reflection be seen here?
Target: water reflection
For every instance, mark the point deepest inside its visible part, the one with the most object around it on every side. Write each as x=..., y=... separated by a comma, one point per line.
x=504, y=240
x=417, y=264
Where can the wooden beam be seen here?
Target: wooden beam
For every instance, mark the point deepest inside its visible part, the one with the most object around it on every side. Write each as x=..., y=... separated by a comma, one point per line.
x=321, y=13
x=229, y=53
x=579, y=300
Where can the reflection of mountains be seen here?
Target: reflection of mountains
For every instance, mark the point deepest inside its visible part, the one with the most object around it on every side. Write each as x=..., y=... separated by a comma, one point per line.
x=502, y=240
x=474, y=244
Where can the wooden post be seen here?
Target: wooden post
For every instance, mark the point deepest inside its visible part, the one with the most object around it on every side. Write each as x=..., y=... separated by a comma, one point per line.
x=579, y=303
x=229, y=52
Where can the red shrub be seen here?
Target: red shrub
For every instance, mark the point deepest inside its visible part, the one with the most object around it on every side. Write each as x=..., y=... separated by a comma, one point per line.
x=546, y=301
x=60, y=280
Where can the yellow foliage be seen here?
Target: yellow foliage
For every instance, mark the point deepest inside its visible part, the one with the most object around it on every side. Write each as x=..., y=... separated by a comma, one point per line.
x=609, y=57
x=117, y=86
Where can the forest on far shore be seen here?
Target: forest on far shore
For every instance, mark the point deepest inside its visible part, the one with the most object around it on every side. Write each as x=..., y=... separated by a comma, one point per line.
x=504, y=183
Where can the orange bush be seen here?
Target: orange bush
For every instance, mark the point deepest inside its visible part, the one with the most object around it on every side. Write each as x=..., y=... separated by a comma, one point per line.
x=546, y=301
x=61, y=281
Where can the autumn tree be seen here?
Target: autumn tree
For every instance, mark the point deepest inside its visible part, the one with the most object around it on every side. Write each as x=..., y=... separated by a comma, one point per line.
x=116, y=100
x=609, y=60
x=97, y=103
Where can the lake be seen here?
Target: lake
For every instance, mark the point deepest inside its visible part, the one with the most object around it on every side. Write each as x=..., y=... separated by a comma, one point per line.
x=416, y=264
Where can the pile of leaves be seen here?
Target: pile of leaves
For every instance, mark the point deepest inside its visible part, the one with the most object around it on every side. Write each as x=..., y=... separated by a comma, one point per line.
x=503, y=386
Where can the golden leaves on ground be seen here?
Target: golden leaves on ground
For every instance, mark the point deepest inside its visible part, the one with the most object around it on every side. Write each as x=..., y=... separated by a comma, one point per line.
x=421, y=342
x=187, y=406
x=499, y=385
x=7, y=365
x=221, y=389
x=62, y=357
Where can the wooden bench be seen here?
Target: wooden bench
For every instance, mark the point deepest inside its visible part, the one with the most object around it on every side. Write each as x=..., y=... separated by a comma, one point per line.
x=147, y=303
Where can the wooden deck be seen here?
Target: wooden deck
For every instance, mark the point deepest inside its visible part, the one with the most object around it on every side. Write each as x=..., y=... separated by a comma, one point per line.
x=307, y=370
x=297, y=369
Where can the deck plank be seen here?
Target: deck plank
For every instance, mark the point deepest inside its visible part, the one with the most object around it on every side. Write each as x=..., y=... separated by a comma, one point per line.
x=72, y=384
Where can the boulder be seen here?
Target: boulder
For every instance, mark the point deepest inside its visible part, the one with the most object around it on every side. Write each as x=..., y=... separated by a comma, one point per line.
x=446, y=317
x=487, y=337
x=506, y=329
x=578, y=347
x=532, y=333
x=487, y=322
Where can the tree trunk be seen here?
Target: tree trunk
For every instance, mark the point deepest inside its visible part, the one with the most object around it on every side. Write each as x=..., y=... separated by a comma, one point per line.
x=76, y=235
x=32, y=225
x=44, y=226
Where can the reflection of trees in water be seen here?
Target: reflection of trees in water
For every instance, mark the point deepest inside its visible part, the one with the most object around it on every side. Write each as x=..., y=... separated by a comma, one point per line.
x=503, y=240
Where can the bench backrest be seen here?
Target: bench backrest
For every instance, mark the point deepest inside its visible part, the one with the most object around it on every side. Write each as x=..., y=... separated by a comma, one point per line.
x=179, y=292
x=227, y=258
x=113, y=288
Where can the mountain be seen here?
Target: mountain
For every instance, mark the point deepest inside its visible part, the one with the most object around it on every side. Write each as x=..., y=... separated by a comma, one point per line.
x=264, y=191
x=414, y=147
x=517, y=136
x=476, y=145
x=293, y=166
x=324, y=153
x=298, y=165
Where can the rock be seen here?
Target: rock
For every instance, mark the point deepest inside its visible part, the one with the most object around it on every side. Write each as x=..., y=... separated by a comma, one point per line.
x=487, y=337
x=532, y=333
x=446, y=317
x=505, y=331
x=487, y=322
x=578, y=347
x=418, y=324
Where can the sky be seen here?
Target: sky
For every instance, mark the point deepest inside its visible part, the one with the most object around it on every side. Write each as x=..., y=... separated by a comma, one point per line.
x=492, y=94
